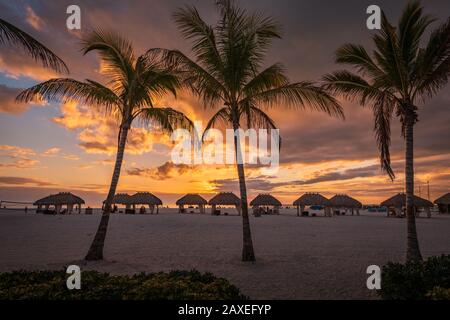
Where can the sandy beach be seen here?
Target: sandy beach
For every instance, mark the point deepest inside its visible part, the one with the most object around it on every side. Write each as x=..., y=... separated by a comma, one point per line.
x=297, y=258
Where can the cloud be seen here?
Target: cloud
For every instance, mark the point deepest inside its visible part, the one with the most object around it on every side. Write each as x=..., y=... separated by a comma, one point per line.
x=8, y=103
x=97, y=132
x=34, y=20
x=51, y=152
x=23, y=181
x=20, y=163
x=16, y=64
x=163, y=172
x=16, y=151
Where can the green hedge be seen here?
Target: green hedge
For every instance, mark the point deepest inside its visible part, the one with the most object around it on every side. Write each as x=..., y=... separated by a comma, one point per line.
x=429, y=279
x=176, y=285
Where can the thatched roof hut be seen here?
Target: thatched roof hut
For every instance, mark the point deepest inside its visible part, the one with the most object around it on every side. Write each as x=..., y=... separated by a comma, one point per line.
x=345, y=201
x=58, y=200
x=445, y=199
x=224, y=199
x=145, y=198
x=192, y=199
x=121, y=198
x=62, y=198
x=263, y=200
x=311, y=199
x=399, y=201
x=443, y=203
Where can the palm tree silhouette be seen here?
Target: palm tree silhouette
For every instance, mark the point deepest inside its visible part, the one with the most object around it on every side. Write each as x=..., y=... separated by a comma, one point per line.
x=392, y=81
x=133, y=84
x=12, y=35
x=228, y=70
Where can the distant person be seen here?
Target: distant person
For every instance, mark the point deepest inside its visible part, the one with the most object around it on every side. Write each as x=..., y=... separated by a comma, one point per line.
x=26, y=209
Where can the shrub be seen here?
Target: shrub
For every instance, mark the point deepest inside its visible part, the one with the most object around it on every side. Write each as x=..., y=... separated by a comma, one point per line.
x=439, y=293
x=176, y=285
x=415, y=280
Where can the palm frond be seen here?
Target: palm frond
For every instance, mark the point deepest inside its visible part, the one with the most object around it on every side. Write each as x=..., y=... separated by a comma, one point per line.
x=411, y=27
x=389, y=58
x=383, y=110
x=166, y=119
x=194, y=76
x=302, y=95
x=357, y=56
x=223, y=115
x=204, y=45
x=69, y=90
x=116, y=54
x=271, y=77
x=433, y=62
x=10, y=34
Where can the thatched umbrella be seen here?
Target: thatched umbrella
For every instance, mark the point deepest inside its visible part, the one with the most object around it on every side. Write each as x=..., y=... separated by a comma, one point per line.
x=122, y=199
x=225, y=199
x=265, y=200
x=58, y=200
x=345, y=202
x=312, y=199
x=443, y=203
x=192, y=199
x=398, y=202
x=146, y=198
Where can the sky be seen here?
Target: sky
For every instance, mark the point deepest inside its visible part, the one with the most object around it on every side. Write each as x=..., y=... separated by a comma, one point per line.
x=50, y=147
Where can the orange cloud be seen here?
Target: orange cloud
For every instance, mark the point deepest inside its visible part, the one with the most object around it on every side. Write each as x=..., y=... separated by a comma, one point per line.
x=34, y=20
x=98, y=133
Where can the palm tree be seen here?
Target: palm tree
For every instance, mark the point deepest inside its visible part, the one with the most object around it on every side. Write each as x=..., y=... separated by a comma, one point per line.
x=398, y=75
x=133, y=85
x=228, y=71
x=10, y=34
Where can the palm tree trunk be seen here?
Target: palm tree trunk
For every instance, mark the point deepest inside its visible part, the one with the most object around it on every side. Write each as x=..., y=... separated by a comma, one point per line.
x=96, y=250
x=412, y=245
x=248, y=253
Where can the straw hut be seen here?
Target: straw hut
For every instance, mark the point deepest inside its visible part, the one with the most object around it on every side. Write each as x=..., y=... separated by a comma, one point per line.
x=225, y=199
x=58, y=201
x=145, y=198
x=313, y=199
x=397, y=203
x=443, y=203
x=191, y=199
x=343, y=201
x=120, y=198
x=265, y=200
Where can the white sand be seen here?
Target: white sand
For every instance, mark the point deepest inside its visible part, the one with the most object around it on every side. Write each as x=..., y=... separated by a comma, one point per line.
x=297, y=258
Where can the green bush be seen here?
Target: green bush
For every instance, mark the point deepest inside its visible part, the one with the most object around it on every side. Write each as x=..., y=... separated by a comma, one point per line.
x=439, y=293
x=415, y=280
x=176, y=285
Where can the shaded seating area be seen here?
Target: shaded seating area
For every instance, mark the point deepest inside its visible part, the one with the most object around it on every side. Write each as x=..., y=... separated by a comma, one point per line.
x=443, y=203
x=145, y=199
x=119, y=199
x=397, y=205
x=345, y=203
x=265, y=204
x=191, y=200
x=55, y=203
x=312, y=199
x=224, y=199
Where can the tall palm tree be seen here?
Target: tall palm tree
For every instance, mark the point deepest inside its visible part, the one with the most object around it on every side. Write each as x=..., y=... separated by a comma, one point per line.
x=133, y=84
x=228, y=70
x=12, y=35
x=398, y=76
